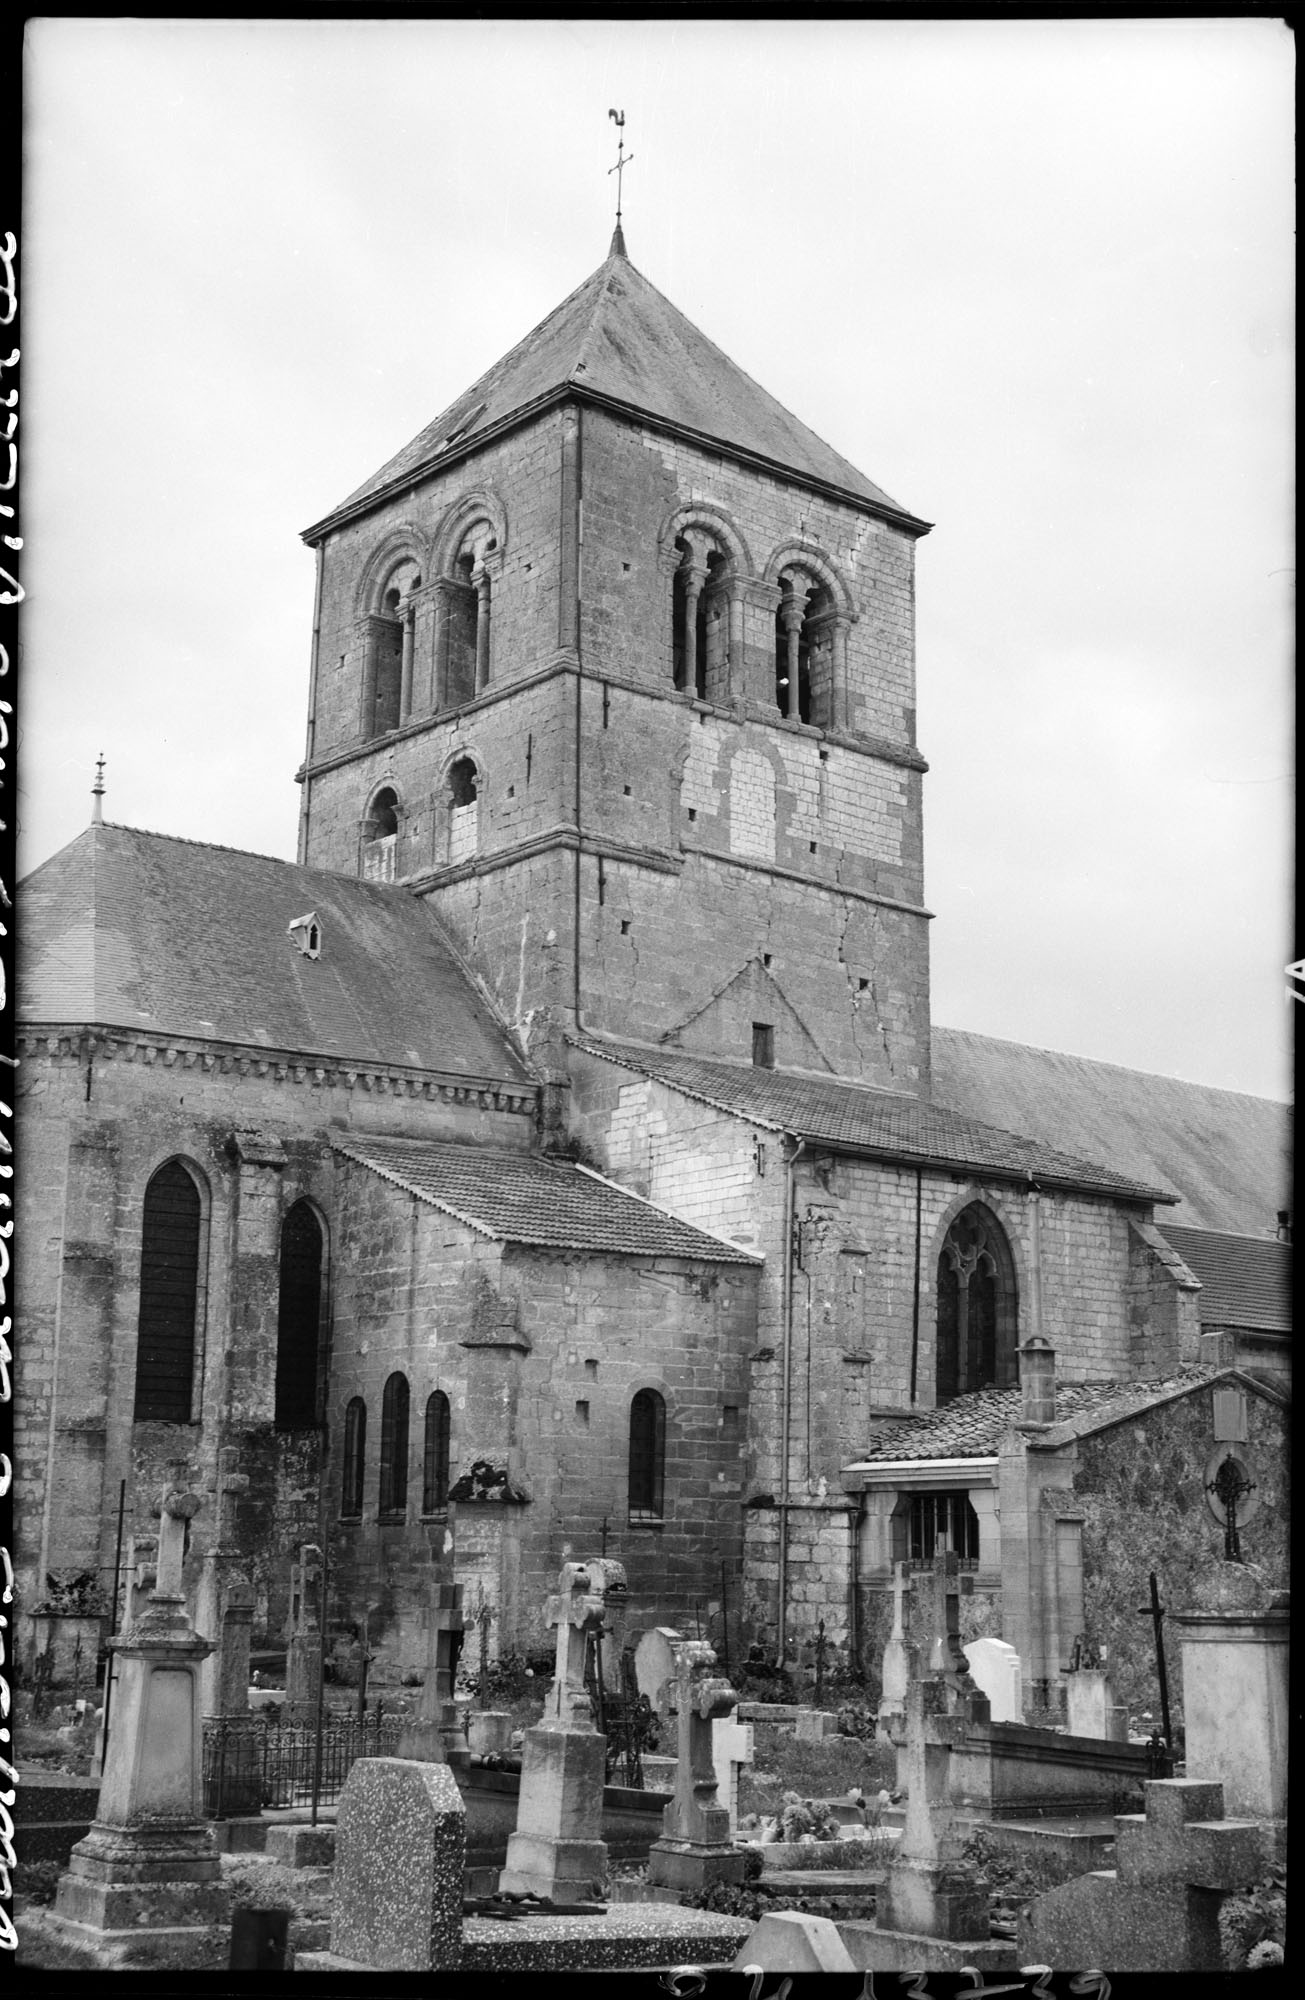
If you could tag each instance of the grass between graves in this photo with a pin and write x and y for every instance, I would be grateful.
(825, 1770)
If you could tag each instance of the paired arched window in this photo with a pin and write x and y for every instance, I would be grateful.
(388, 652)
(466, 630)
(171, 1235)
(298, 1319)
(380, 837)
(804, 649)
(700, 619)
(435, 1457)
(977, 1334)
(355, 1459)
(647, 1475)
(394, 1446)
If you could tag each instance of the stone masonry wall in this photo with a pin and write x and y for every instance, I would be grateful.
(94, 1130)
(540, 1355)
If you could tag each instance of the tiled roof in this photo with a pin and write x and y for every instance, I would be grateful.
(837, 1113)
(137, 930)
(1228, 1156)
(617, 337)
(1245, 1280)
(972, 1426)
(522, 1198)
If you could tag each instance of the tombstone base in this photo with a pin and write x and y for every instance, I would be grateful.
(875, 1950)
(693, 1864)
(569, 1871)
(141, 1948)
(931, 1901)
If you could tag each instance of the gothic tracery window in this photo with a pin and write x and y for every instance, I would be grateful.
(977, 1333)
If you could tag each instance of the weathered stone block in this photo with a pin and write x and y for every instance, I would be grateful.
(789, 1941)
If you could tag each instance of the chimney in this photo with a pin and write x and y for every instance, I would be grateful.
(1038, 1382)
(1284, 1225)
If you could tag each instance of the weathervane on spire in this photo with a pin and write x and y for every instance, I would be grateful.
(623, 158)
(97, 791)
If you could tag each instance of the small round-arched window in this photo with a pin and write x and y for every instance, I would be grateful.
(380, 837)
(463, 791)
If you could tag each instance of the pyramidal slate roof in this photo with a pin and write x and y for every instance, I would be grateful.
(837, 1113)
(618, 340)
(128, 929)
(1245, 1280)
(525, 1198)
(1226, 1154)
(972, 1426)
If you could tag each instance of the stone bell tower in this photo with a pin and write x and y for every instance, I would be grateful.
(614, 665)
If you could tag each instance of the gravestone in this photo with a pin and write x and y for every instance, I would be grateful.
(1157, 1910)
(995, 1668)
(695, 1849)
(898, 1662)
(557, 1849)
(732, 1746)
(145, 1883)
(400, 1858)
(1090, 1706)
(434, 1735)
(654, 1664)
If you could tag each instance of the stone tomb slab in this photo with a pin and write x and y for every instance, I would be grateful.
(646, 1937)
(400, 1851)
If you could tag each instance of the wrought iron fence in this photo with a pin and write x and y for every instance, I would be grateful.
(257, 1763)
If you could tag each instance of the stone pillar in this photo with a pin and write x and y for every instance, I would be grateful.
(694, 578)
(480, 579)
(224, 1590)
(557, 1849)
(367, 699)
(145, 1882)
(695, 1849)
(1037, 1377)
(840, 713)
(791, 613)
(434, 1736)
(405, 669)
(1235, 1687)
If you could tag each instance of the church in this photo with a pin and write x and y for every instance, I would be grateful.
(559, 1156)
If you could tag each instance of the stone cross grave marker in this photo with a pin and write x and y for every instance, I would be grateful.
(557, 1849)
(146, 1878)
(695, 1848)
(898, 1656)
(304, 1653)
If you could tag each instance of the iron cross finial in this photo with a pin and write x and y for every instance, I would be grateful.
(97, 791)
(623, 158)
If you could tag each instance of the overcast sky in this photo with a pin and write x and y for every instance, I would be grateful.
(1034, 279)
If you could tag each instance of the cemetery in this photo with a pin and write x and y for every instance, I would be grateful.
(648, 1812)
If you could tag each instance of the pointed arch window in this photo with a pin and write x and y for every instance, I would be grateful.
(394, 1447)
(171, 1233)
(298, 1320)
(435, 1458)
(647, 1476)
(355, 1454)
(977, 1329)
